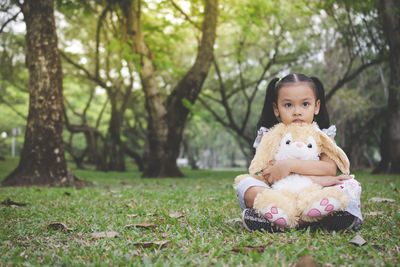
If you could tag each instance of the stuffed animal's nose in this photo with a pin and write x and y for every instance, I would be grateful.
(299, 145)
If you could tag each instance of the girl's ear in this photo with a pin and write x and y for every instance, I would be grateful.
(334, 152)
(317, 107)
(267, 148)
(276, 110)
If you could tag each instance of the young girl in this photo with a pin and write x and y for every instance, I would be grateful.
(297, 98)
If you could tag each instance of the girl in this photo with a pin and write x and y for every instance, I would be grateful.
(297, 98)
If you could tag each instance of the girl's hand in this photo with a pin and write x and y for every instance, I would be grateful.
(277, 171)
(330, 180)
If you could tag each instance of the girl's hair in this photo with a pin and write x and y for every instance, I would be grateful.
(268, 118)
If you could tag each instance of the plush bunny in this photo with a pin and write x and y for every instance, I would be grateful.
(296, 197)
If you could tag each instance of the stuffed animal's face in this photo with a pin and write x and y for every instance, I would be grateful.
(290, 148)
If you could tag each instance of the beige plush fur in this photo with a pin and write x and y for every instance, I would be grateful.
(295, 203)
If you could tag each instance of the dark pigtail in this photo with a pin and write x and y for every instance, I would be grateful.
(323, 117)
(268, 118)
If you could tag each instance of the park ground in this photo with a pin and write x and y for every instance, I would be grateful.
(124, 220)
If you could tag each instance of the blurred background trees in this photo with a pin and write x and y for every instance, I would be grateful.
(108, 119)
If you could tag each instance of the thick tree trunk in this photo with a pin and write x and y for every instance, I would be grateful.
(166, 122)
(42, 160)
(390, 137)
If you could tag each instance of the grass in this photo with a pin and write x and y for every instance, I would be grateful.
(202, 237)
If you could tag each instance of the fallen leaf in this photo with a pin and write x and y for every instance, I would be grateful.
(141, 225)
(380, 199)
(131, 204)
(23, 255)
(132, 215)
(161, 243)
(306, 261)
(177, 215)
(60, 226)
(109, 234)
(374, 213)
(248, 249)
(9, 202)
(358, 240)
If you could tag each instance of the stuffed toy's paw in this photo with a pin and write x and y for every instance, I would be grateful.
(323, 207)
(276, 216)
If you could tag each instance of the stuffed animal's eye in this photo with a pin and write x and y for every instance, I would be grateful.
(309, 146)
(288, 142)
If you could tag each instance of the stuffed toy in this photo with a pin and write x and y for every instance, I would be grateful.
(296, 197)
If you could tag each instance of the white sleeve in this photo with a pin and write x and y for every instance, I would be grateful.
(331, 131)
(260, 133)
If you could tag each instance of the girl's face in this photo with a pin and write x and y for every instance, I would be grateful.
(296, 103)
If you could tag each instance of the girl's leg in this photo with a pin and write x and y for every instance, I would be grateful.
(246, 191)
(251, 194)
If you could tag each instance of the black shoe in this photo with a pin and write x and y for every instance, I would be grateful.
(336, 222)
(252, 221)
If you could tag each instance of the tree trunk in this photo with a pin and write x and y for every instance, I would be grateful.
(166, 122)
(116, 150)
(390, 137)
(42, 160)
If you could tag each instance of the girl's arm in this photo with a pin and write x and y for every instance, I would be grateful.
(280, 169)
(330, 180)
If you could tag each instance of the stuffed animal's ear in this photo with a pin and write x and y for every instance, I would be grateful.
(267, 148)
(334, 152)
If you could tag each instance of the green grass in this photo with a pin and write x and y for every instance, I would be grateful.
(202, 237)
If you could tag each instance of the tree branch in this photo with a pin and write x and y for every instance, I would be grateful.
(13, 18)
(87, 73)
(185, 15)
(350, 77)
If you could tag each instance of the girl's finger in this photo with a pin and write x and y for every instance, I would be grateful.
(345, 177)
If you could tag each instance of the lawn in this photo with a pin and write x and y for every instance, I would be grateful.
(184, 222)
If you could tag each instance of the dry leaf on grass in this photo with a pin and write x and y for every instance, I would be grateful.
(177, 215)
(9, 202)
(248, 249)
(131, 204)
(110, 234)
(374, 213)
(381, 199)
(161, 243)
(141, 225)
(306, 261)
(358, 240)
(60, 226)
(132, 215)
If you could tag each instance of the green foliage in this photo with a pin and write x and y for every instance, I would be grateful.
(202, 237)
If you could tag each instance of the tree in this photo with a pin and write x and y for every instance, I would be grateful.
(42, 160)
(390, 137)
(104, 69)
(167, 118)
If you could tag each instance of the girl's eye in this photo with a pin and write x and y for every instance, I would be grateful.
(306, 104)
(288, 105)
(288, 142)
(309, 146)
